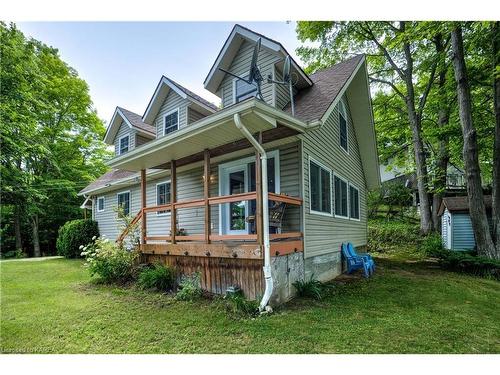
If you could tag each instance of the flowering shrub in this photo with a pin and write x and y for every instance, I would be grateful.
(108, 261)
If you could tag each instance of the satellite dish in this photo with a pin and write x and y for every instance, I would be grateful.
(287, 80)
(254, 76)
(286, 69)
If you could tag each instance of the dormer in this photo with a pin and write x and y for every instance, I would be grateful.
(174, 107)
(127, 131)
(235, 57)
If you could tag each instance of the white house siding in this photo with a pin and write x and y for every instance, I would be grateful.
(240, 66)
(324, 234)
(445, 229)
(140, 140)
(190, 186)
(123, 130)
(172, 102)
(194, 116)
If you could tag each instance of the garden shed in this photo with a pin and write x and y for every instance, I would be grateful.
(456, 226)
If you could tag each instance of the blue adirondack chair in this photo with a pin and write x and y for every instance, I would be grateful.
(367, 257)
(355, 262)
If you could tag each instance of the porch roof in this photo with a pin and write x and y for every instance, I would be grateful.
(210, 132)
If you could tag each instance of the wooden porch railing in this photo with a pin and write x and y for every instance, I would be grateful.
(214, 201)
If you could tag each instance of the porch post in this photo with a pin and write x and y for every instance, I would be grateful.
(173, 199)
(143, 205)
(258, 189)
(206, 194)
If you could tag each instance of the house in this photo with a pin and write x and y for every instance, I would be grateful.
(206, 166)
(456, 226)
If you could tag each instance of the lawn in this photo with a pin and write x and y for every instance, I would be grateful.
(408, 307)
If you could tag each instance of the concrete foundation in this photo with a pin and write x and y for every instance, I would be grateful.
(286, 270)
(323, 267)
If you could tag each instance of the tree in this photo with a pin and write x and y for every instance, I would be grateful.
(398, 54)
(477, 211)
(50, 138)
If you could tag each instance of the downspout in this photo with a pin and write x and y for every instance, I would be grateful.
(265, 211)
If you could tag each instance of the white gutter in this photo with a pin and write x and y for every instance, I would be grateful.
(265, 211)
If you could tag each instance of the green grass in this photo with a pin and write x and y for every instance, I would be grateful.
(408, 307)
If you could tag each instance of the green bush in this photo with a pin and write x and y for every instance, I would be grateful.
(13, 254)
(466, 262)
(310, 289)
(432, 246)
(73, 234)
(110, 262)
(384, 235)
(237, 304)
(189, 287)
(157, 276)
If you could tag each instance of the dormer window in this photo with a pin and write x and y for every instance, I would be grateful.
(171, 121)
(243, 90)
(123, 144)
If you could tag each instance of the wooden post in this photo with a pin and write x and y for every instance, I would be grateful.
(173, 199)
(143, 205)
(206, 194)
(258, 189)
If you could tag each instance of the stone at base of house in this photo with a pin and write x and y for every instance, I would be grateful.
(285, 271)
(323, 267)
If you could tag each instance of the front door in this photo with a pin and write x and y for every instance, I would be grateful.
(236, 182)
(239, 177)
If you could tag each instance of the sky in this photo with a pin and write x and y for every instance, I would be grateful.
(122, 62)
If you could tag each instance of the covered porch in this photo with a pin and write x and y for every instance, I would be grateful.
(233, 253)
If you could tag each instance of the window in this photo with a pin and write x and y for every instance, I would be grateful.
(320, 188)
(340, 197)
(243, 90)
(171, 122)
(343, 128)
(162, 195)
(353, 202)
(100, 204)
(124, 202)
(124, 141)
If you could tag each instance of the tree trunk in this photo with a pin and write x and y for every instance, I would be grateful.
(443, 156)
(17, 228)
(36, 239)
(477, 210)
(496, 147)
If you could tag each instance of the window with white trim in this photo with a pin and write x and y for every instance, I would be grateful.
(162, 195)
(353, 202)
(243, 90)
(100, 204)
(124, 144)
(171, 122)
(344, 140)
(123, 202)
(320, 188)
(340, 191)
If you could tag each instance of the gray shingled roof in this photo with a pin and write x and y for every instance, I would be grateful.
(107, 178)
(461, 204)
(311, 103)
(193, 95)
(136, 121)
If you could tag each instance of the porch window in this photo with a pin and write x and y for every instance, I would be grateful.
(341, 197)
(100, 204)
(243, 90)
(124, 202)
(353, 202)
(124, 144)
(162, 195)
(171, 122)
(320, 188)
(343, 128)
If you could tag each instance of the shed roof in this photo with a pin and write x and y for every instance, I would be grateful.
(460, 204)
